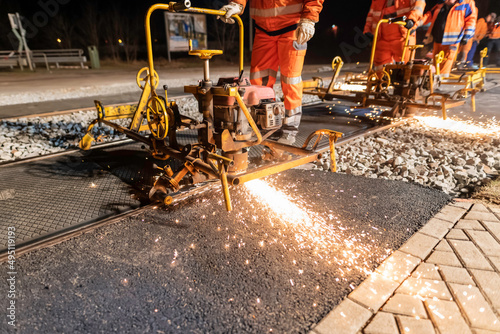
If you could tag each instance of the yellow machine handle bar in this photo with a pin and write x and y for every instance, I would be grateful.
(185, 6)
(397, 20)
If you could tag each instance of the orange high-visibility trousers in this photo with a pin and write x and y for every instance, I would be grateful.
(388, 52)
(450, 53)
(282, 52)
(463, 50)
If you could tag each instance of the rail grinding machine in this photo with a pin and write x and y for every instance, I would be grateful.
(404, 86)
(237, 116)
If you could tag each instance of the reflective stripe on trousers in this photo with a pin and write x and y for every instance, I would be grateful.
(282, 52)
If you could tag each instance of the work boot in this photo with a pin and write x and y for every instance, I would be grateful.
(287, 138)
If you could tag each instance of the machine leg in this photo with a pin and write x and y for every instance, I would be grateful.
(225, 189)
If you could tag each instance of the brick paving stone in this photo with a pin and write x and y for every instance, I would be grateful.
(447, 317)
(415, 326)
(450, 213)
(443, 246)
(486, 242)
(463, 205)
(457, 234)
(382, 323)
(444, 258)
(347, 318)
(405, 305)
(436, 228)
(470, 255)
(427, 270)
(456, 275)
(480, 207)
(479, 215)
(482, 331)
(425, 288)
(419, 245)
(489, 283)
(476, 308)
(496, 261)
(374, 291)
(494, 228)
(466, 224)
(398, 266)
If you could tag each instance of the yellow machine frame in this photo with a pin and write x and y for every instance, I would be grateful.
(378, 82)
(161, 118)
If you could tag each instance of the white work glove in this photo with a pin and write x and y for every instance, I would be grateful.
(231, 9)
(305, 31)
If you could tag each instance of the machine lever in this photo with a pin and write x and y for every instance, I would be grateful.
(398, 19)
(179, 6)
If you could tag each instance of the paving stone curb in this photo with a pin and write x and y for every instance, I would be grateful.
(444, 279)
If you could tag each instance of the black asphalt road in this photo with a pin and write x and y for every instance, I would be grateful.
(198, 269)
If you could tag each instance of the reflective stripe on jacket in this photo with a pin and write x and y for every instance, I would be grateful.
(460, 23)
(412, 9)
(274, 15)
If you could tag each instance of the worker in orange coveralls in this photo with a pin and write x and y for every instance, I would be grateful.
(391, 36)
(283, 29)
(493, 43)
(453, 22)
(481, 32)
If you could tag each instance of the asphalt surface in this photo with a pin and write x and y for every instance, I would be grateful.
(197, 269)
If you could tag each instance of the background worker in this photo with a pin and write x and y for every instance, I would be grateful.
(452, 22)
(481, 32)
(391, 36)
(493, 43)
(283, 28)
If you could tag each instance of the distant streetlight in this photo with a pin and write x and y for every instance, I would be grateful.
(59, 40)
(334, 30)
(120, 41)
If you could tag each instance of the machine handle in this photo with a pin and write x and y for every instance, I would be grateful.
(179, 6)
(397, 19)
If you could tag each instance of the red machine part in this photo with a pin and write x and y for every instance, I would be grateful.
(253, 94)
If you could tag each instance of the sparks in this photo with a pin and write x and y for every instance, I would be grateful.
(460, 126)
(310, 230)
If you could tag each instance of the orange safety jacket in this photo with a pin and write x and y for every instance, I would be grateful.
(460, 23)
(481, 30)
(412, 9)
(495, 32)
(275, 15)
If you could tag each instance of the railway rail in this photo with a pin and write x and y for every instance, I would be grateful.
(85, 227)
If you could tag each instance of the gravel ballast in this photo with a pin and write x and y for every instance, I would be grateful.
(451, 161)
(199, 269)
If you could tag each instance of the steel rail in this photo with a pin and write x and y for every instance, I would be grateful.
(75, 231)
(86, 109)
(9, 163)
(69, 233)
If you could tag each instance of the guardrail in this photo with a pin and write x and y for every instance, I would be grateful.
(58, 56)
(9, 59)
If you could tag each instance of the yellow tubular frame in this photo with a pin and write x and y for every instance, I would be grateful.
(375, 37)
(189, 10)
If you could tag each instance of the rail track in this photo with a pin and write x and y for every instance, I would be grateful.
(88, 226)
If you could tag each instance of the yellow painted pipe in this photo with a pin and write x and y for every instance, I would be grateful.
(249, 118)
(375, 37)
(225, 189)
(149, 43)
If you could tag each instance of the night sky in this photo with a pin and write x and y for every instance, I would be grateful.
(71, 17)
